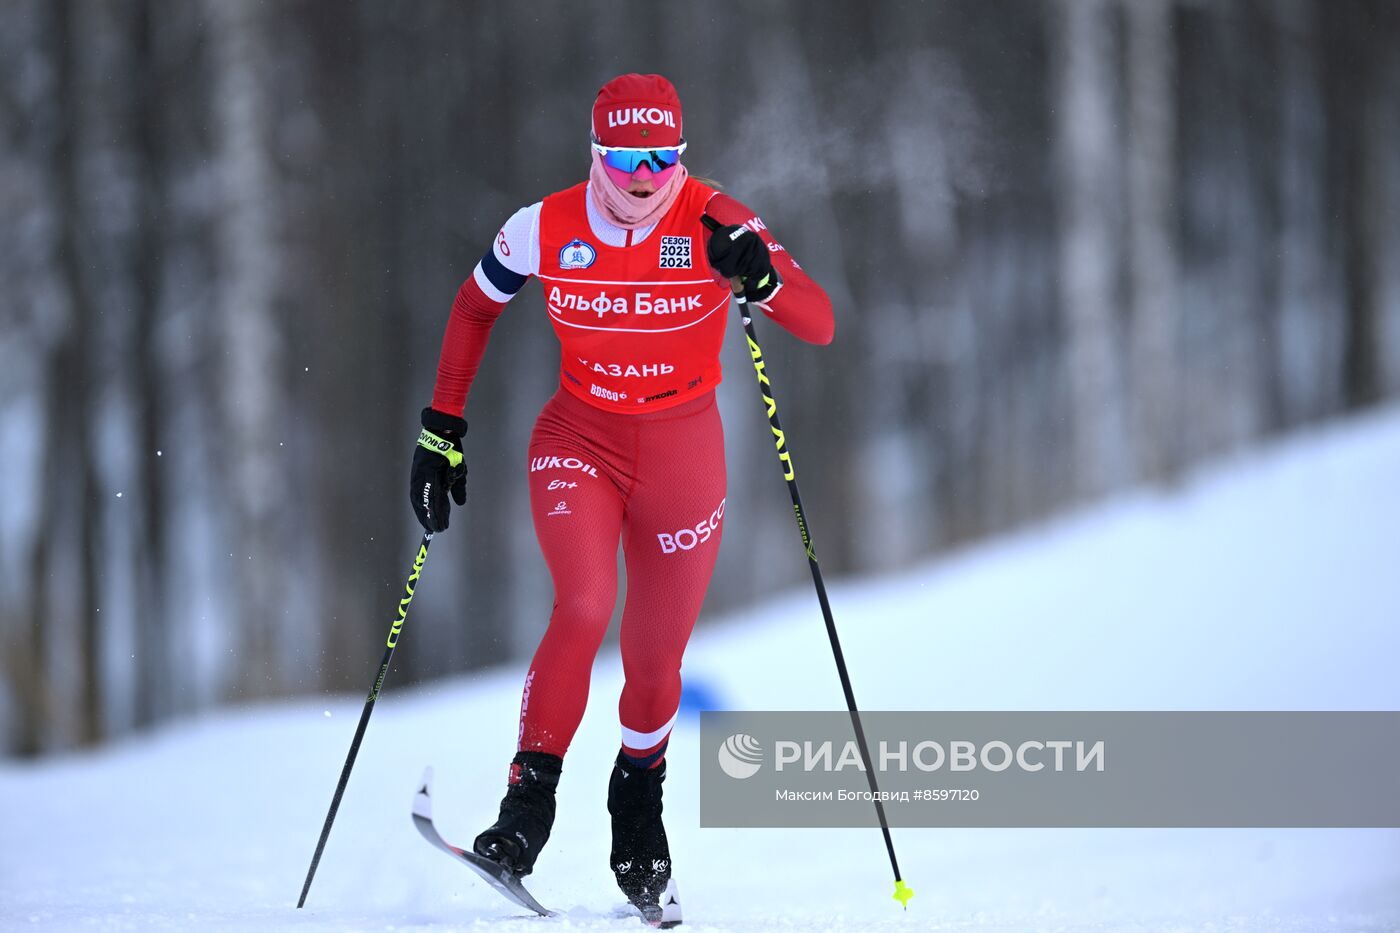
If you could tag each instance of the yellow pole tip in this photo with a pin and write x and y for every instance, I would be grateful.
(902, 893)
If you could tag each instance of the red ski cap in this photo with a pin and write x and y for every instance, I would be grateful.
(637, 112)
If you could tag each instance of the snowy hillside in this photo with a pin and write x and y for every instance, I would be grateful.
(1266, 583)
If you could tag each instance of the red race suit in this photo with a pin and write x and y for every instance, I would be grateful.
(630, 448)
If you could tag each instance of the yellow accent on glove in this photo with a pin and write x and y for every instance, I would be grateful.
(440, 445)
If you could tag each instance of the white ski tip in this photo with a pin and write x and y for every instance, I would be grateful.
(423, 800)
(670, 904)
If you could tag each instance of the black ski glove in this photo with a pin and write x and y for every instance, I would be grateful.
(738, 251)
(438, 468)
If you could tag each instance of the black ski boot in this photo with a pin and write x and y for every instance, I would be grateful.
(641, 859)
(527, 813)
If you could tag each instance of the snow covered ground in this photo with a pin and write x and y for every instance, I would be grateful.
(1266, 583)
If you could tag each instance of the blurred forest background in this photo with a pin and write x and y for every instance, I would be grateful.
(1073, 246)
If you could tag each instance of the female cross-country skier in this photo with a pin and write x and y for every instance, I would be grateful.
(630, 447)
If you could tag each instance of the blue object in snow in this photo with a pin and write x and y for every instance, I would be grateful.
(698, 694)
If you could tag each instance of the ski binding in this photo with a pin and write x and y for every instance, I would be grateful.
(497, 876)
(667, 913)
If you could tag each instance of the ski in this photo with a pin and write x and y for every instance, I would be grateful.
(667, 913)
(663, 915)
(497, 876)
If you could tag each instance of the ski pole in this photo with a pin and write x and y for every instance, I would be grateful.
(902, 891)
(394, 629)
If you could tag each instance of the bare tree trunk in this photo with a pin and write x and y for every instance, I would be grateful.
(787, 111)
(1088, 255)
(1354, 85)
(252, 386)
(1301, 231)
(70, 486)
(1152, 243)
(32, 681)
(155, 662)
(28, 328)
(1382, 141)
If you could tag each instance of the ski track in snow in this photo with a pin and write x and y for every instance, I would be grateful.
(1264, 583)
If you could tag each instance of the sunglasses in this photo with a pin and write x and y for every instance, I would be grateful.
(629, 160)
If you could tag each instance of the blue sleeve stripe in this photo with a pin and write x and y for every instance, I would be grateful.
(506, 281)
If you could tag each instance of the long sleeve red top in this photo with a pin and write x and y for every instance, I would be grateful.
(799, 305)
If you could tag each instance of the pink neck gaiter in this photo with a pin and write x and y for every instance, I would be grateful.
(627, 210)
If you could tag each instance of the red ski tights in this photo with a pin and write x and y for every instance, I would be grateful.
(656, 482)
